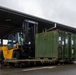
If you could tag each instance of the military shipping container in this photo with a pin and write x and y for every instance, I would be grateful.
(55, 44)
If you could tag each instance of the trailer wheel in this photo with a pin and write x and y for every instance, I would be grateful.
(16, 54)
(1, 58)
(0, 65)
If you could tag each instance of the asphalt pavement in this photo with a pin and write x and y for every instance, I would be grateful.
(69, 69)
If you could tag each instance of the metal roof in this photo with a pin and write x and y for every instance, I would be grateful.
(11, 21)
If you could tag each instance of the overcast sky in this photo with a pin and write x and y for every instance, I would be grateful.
(62, 11)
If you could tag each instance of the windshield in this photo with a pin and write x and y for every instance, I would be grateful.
(11, 41)
(15, 38)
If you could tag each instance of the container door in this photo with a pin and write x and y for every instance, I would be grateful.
(72, 47)
(66, 55)
(61, 45)
(75, 46)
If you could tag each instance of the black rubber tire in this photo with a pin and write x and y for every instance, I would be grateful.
(1, 55)
(1, 59)
(16, 54)
(0, 65)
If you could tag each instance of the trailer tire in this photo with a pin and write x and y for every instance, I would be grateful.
(16, 54)
(1, 59)
(0, 65)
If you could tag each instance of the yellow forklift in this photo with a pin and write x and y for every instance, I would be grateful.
(12, 49)
(21, 45)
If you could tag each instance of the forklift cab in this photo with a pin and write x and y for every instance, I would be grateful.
(15, 40)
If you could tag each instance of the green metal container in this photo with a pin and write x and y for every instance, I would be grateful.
(46, 45)
(74, 46)
(55, 44)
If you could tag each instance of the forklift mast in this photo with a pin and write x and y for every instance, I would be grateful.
(29, 29)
